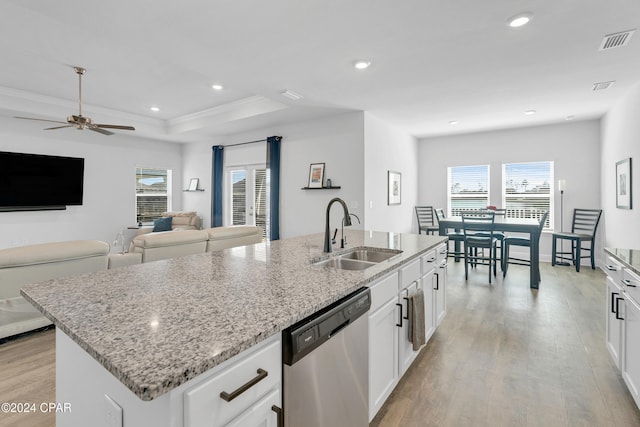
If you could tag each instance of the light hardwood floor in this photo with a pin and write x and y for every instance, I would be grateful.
(504, 355)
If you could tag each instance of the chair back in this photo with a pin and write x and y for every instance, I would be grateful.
(439, 214)
(425, 216)
(478, 227)
(585, 221)
(500, 212)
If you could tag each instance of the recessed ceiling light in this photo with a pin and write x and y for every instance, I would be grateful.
(217, 87)
(520, 19)
(291, 94)
(453, 122)
(154, 109)
(361, 65)
(530, 112)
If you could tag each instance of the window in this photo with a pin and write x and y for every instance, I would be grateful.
(526, 190)
(468, 188)
(249, 196)
(153, 193)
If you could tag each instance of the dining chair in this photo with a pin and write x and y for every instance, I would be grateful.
(453, 235)
(478, 229)
(519, 241)
(583, 229)
(426, 221)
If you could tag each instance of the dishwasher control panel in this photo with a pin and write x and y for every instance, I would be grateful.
(301, 338)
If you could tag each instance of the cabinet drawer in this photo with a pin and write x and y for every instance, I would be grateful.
(429, 261)
(203, 405)
(613, 269)
(410, 273)
(631, 284)
(383, 290)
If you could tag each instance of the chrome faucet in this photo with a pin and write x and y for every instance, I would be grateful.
(346, 220)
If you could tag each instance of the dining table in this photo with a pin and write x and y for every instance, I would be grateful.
(529, 226)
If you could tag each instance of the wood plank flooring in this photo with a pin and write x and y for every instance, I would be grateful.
(504, 355)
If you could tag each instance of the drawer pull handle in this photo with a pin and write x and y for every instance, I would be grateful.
(228, 397)
(628, 283)
(611, 268)
(278, 412)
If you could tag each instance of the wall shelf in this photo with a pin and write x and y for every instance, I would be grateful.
(335, 187)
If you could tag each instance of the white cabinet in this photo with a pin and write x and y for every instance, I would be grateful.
(237, 389)
(264, 413)
(390, 351)
(623, 323)
(614, 320)
(383, 354)
(440, 294)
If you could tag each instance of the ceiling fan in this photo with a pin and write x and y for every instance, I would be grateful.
(81, 122)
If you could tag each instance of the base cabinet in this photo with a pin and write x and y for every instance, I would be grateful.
(390, 351)
(264, 413)
(631, 348)
(614, 321)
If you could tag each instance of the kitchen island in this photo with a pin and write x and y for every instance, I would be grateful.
(154, 330)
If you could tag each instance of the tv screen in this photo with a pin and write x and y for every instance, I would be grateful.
(36, 181)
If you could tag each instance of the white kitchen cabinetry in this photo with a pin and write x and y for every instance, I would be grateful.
(623, 323)
(631, 334)
(440, 295)
(261, 414)
(390, 352)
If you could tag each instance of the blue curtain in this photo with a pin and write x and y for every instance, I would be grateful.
(216, 185)
(273, 164)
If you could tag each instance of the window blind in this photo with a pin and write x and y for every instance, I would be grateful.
(527, 190)
(152, 193)
(238, 197)
(468, 188)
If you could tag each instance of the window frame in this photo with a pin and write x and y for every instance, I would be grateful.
(550, 195)
(167, 193)
(470, 194)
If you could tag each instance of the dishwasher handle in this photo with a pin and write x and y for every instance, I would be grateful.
(340, 327)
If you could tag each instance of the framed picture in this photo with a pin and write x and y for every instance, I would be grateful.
(623, 184)
(193, 185)
(316, 175)
(394, 187)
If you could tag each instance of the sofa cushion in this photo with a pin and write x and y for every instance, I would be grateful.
(232, 232)
(162, 224)
(170, 238)
(52, 252)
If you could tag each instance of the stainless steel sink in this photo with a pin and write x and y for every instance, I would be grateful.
(359, 258)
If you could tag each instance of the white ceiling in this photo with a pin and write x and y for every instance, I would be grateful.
(432, 62)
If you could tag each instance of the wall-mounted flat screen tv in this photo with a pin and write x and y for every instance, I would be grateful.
(39, 182)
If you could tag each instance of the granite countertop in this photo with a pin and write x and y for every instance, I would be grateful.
(629, 257)
(155, 326)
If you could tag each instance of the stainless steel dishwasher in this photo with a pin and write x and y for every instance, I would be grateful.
(326, 366)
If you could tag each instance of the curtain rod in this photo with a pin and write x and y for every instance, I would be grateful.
(249, 142)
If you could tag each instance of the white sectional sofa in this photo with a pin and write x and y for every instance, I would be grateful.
(34, 263)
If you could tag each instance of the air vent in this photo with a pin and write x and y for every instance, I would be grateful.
(616, 40)
(603, 85)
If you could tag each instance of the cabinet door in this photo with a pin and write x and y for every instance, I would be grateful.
(406, 352)
(428, 285)
(440, 294)
(613, 322)
(383, 354)
(631, 347)
(261, 414)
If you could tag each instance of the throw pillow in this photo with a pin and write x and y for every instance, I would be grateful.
(162, 224)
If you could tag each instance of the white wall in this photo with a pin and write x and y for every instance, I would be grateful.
(109, 182)
(385, 149)
(337, 141)
(574, 147)
(620, 140)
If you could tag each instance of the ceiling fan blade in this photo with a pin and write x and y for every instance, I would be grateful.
(102, 131)
(60, 127)
(115, 127)
(39, 120)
